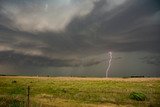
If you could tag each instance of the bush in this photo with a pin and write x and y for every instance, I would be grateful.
(137, 96)
(14, 81)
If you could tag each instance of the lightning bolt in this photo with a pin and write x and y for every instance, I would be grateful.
(109, 65)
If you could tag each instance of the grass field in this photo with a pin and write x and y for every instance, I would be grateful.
(78, 92)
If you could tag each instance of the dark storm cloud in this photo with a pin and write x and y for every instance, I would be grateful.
(35, 29)
(128, 29)
(11, 58)
(154, 60)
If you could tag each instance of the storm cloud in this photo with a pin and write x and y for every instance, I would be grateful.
(62, 32)
(154, 60)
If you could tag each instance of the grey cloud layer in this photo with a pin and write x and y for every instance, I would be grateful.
(49, 15)
(154, 60)
(12, 58)
(69, 30)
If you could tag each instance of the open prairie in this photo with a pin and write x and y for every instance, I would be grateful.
(77, 92)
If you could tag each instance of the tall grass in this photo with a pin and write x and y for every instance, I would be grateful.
(83, 91)
(9, 101)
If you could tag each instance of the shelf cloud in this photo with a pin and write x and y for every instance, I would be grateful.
(67, 30)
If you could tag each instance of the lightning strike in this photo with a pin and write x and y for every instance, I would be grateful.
(109, 63)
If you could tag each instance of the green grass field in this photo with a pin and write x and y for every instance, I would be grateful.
(78, 92)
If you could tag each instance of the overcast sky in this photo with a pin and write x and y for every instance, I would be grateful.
(73, 37)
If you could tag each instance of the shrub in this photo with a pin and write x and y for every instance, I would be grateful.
(137, 96)
(14, 81)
